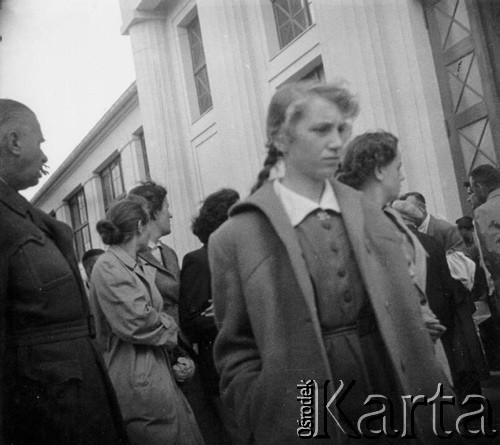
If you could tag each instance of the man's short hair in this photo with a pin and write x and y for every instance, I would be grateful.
(465, 222)
(12, 113)
(91, 253)
(486, 175)
(11, 110)
(418, 196)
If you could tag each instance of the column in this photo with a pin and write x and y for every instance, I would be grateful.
(233, 36)
(162, 110)
(383, 49)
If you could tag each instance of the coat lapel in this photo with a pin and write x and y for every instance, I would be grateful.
(266, 200)
(419, 253)
(150, 259)
(271, 205)
(352, 214)
(139, 267)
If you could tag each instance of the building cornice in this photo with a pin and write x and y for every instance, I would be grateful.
(137, 11)
(127, 101)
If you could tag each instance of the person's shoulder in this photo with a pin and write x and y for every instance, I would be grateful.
(490, 208)
(167, 249)
(431, 244)
(198, 253)
(195, 256)
(441, 223)
(492, 204)
(106, 260)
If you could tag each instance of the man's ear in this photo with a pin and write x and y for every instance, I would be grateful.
(379, 175)
(12, 145)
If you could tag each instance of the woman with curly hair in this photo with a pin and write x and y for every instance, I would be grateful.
(310, 287)
(372, 164)
(195, 302)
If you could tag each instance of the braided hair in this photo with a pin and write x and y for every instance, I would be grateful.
(287, 107)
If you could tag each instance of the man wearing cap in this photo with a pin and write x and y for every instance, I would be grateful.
(55, 389)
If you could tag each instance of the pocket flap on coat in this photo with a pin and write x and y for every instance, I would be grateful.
(55, 372)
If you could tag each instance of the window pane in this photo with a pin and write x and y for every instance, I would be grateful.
(200, 72)
(116, 174)
(286, 34)
(79, 244)
(203, 90)
(86, 237)
(296, 6)
(144, 151)
(107, 191)
(196, 44)
(82, 207)
(73, 210)
(292, 19)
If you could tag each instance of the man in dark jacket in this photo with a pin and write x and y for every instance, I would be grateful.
(55, 389)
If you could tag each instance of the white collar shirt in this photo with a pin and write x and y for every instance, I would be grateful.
(425, 224)
(297, 207)
(156, 250)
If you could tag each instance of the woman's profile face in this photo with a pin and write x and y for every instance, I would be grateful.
(314, 148)
(392, 176)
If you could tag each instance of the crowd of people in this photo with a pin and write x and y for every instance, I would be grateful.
(325, 273)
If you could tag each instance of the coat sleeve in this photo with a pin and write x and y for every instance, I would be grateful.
(127, 307)
(488, 229)
(194, 299)
(236, 353)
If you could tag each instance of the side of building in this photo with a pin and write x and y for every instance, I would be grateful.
(423, 69)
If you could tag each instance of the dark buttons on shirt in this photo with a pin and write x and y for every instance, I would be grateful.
(326, 225)
(333, 247)
(341, 272)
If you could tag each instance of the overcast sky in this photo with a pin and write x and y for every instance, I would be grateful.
(67, 61)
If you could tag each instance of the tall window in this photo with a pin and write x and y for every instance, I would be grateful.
(199, 66)
(112, 182)
(144, 151)
(80, 222)
(292, 19)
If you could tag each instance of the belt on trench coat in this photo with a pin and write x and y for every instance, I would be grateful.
(55, 332)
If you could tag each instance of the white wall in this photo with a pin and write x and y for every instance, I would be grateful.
(380, 48)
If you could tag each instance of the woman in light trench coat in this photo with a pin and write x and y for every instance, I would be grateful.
(311, 287)
(135, 333)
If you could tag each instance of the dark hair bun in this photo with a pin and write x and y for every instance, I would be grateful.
(110, 234)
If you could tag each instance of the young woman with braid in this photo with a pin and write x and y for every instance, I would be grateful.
(310, 287)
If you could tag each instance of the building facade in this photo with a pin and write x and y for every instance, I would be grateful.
(426, 70)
